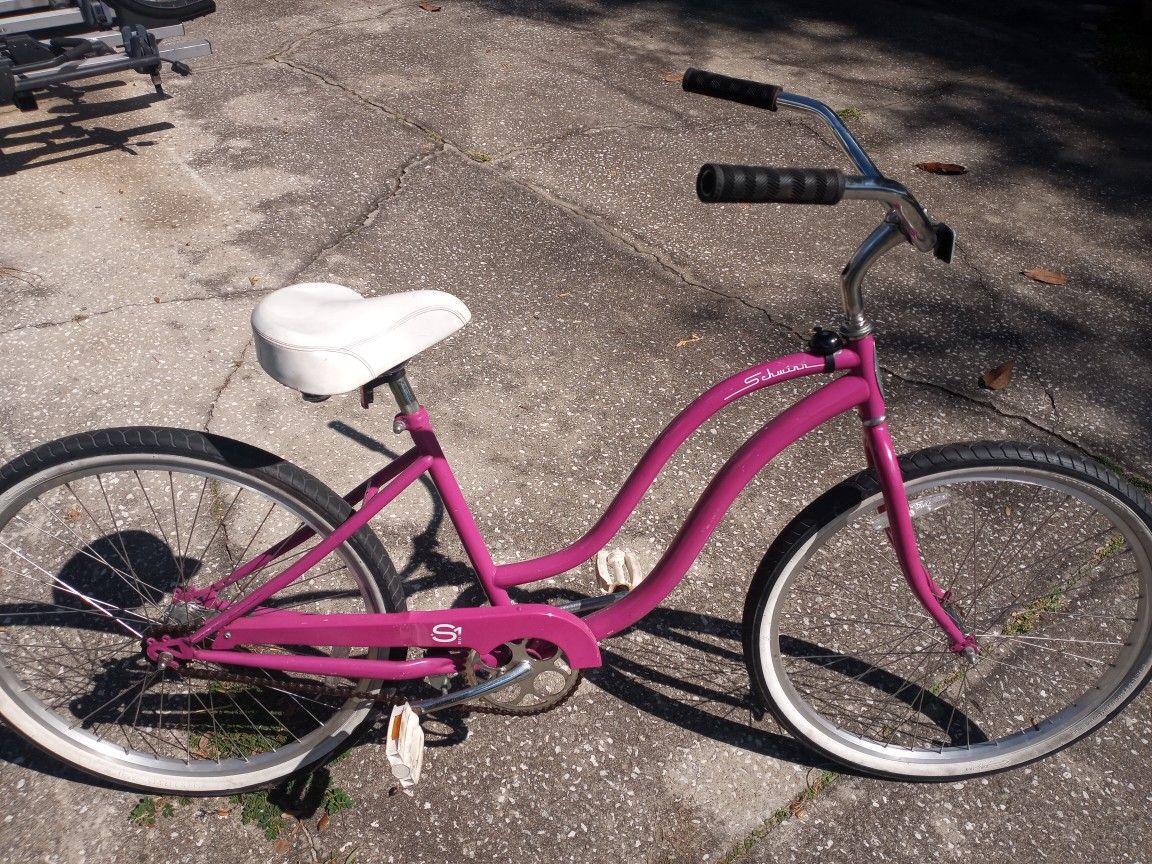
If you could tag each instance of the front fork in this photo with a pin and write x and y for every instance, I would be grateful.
(881, 456)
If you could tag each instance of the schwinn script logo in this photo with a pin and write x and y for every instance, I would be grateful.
(765, 375)
(447, 633)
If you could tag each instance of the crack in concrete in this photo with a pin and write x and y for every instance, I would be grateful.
(237, 362)
(988, 405)
(574, 132)
(1000, 314)
(292, 45)
(393, 188)
(653, 254)
(80, 318)
(366, 217)
(403, 119)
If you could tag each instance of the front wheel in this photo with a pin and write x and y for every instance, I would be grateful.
(102, 537)
(1047, 558)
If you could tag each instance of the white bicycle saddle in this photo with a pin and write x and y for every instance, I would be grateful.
(322, 339)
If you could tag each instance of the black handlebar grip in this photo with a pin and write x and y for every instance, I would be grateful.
(733, 89)
(753, 184)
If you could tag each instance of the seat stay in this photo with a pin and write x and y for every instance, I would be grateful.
(416, 464)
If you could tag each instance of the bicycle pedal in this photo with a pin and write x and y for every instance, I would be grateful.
(618, 570)
(405, 748)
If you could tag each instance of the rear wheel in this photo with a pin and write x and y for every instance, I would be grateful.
(1048, 561)
(96, 533)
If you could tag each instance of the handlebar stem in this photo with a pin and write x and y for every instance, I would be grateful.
(913, 218)
(886, 235)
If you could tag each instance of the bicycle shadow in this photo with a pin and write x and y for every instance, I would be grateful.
(94, 570)
(70, 133)
(684, 668)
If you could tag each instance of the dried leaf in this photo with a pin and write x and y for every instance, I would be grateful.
(1048, 277)
(429, 7)
(284, 844)
(695, 337)
(252, 280)
(223, 812)
(324, 822)
(941, 168)
(673, 77)
(1000, 377)
(155, 299)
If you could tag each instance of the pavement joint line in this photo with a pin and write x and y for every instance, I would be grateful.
(794, 809)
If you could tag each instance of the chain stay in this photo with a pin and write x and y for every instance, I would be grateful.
(388, 698)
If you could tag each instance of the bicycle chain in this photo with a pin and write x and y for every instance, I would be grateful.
(390, 699)
(383, 698)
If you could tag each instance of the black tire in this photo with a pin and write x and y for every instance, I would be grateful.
(146, 11)
(1048, 556)
(90, 550)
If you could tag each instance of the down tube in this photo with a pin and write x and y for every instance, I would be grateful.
(664, 448)
(815, 409)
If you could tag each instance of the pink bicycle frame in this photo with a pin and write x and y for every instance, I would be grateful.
(504, 621)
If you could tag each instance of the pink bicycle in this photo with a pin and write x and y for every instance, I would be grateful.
(186, 613)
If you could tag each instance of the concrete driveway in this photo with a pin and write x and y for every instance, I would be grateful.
(535, 159)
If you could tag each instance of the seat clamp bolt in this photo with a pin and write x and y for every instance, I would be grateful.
(398, 425)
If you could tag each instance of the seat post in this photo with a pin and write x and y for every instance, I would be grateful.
(397, 380)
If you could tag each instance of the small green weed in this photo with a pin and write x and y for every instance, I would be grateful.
(850, 114)
(148, 810)
(144, 813)
(1025, 620)
(1115, 544)
(335, 800)
(1137, 481)
(794, 810)
(257, 810)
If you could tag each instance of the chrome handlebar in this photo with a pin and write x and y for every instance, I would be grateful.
(905, 218)
(914, 220)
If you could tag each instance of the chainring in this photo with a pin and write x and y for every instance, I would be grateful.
(549, 681)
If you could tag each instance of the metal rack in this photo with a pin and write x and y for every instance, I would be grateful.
(32, 57)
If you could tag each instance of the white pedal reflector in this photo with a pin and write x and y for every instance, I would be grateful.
(405, 750)
(618, 570)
